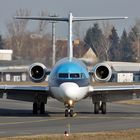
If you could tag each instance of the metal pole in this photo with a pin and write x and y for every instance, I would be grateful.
(138, 48)
(53, 43)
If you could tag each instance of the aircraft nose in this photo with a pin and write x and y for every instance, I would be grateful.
(69, 90)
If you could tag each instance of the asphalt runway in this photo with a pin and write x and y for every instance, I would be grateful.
(16, 118)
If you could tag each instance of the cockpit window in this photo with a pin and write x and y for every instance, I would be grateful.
(74, 75)
(71, 75)
(63, 75)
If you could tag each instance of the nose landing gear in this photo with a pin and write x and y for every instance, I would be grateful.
(69, 109)
(68, 112)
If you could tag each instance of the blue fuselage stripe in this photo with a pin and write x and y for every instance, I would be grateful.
(69, 67)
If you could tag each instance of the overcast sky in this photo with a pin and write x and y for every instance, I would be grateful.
(130, 8)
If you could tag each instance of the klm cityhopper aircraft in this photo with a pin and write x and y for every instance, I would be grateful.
(69, 80)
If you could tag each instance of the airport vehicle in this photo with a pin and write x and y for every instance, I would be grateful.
(69, 80)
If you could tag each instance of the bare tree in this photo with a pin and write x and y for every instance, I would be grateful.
(106, 28)
(42, 24)
(17, 30)
(76, 30)
(28, 44)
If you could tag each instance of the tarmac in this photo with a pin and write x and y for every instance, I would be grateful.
(16, 118)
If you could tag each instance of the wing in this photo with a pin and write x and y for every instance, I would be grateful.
(115, 92)
(23, 92)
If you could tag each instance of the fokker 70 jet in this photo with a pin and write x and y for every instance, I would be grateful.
(69, 80)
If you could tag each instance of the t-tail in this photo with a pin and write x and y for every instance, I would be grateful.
(70, 19)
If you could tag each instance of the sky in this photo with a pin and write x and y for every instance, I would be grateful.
(130, 8)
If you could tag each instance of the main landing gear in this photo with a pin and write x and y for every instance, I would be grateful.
(39, 104)
(69, 109)
(100, 106)
(38, 107)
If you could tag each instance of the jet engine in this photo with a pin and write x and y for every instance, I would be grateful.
(37, 72)
(102, 72)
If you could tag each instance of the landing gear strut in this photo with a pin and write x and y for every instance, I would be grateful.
(100, 106)
(103, 108)
(69, 110)
(38, 107)
(39, 104)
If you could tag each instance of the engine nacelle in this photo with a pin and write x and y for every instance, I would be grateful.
(102, 72)
(37, 72)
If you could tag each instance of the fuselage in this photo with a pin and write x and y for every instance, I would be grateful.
(69, 80)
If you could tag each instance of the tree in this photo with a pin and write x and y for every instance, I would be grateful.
(126, 49)
(42, 24)
(1, 43)
(27, 44)
(106, 28)
(17, 32)
(134, 41)
(94, 39)
(133, 34)
(76, 30)
(114, 53)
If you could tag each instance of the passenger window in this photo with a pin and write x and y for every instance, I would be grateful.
(74, 75)
(63, 75)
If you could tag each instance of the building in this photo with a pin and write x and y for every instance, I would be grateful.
(14, 74)
(125, 71)
(6, 55)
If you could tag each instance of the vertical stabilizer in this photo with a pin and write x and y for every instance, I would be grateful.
(70, 45)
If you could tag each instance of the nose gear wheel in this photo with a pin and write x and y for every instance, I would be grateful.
(68, 110)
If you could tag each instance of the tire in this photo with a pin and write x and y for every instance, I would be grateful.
(96, 108)
(35, 109)
(66, 113)
(103, 108)
(71, 113)
(42, 108)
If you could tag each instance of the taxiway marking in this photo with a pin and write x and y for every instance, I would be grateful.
(63, 118)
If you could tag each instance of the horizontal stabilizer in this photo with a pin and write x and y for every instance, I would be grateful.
(42, 18)
(97, 18)
(67, 18)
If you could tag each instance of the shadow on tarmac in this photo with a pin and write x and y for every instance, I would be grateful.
(28, 113)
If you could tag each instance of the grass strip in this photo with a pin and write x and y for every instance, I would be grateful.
(111, 135)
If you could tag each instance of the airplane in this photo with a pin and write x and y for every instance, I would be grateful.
(69, 79)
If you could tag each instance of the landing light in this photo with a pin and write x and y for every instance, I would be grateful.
(70, 102)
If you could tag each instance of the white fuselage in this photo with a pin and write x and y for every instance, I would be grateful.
(69, 91)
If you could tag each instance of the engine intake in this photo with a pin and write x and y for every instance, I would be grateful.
(37, 72)
(102, 72)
